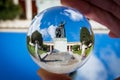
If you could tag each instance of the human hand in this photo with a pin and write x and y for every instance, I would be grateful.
(45, 75)
(106, 12)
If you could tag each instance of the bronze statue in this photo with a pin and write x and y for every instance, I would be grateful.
(60, 31)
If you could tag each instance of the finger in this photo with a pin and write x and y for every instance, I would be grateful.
(78, 4)
(117, 2)
(45, 75)
(107, 5)
(118, 78)
(95, 13)
(112, 35)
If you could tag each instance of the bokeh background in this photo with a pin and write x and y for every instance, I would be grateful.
(15, 61)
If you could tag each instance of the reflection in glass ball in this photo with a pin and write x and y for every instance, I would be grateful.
(60, 39)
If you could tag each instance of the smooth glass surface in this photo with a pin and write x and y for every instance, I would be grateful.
(60, 39)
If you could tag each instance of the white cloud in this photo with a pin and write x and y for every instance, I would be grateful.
(112, 60)
(48, 31)
(93, 69)
(51, 31)
(44, 32)
(75, 16)
(35, 24)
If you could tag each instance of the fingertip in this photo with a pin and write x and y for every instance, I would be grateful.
(63, 2)
(45, 75)
(41, 73)
(112, 35)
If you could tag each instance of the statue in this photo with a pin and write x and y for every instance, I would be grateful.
(60, 31)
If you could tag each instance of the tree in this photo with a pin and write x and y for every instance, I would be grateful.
(8, 10)
(37, 36)
(85, 36)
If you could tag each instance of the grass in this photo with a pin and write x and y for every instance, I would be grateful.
(77, 52)
(88, 50)
(32, 50)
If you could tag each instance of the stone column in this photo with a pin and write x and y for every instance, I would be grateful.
(36, 51)
(28, 4)
(50, 48)
(15, 2)
(69, 47)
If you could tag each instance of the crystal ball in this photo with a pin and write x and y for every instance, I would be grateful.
(60, 39)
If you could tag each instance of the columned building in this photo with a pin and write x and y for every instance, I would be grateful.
(69, 45)
(32, 7)
(29, 8)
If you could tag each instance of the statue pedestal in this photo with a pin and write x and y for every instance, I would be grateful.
(60, 44)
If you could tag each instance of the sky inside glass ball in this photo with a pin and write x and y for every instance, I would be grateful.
(48, 20)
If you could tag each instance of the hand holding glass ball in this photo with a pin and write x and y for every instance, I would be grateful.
(60, 40)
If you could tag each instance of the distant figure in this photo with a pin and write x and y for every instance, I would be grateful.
(83, 52)
(60, 31)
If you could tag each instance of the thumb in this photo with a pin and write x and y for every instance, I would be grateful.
(112, 35)
(45, 75)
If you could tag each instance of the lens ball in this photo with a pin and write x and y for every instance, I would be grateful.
(60, 39)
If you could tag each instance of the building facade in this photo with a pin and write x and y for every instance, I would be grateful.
(32, 7)
(69, 45)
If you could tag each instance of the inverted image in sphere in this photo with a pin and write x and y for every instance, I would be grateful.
(60, 39)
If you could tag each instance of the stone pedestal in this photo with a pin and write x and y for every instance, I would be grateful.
(60, 44)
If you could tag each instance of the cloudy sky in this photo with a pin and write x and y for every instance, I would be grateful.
(47, 21)
(104, 63)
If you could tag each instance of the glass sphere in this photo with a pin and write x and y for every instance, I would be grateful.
(60, 39)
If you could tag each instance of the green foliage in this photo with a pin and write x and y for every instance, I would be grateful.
(45, 48)
(85, 36)
(78, 52)
(8, 10)
(76, 47)
(32, 50)
(37, 36)
(41, 52)
(88, 50)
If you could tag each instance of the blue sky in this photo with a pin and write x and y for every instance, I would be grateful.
(47, 21)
